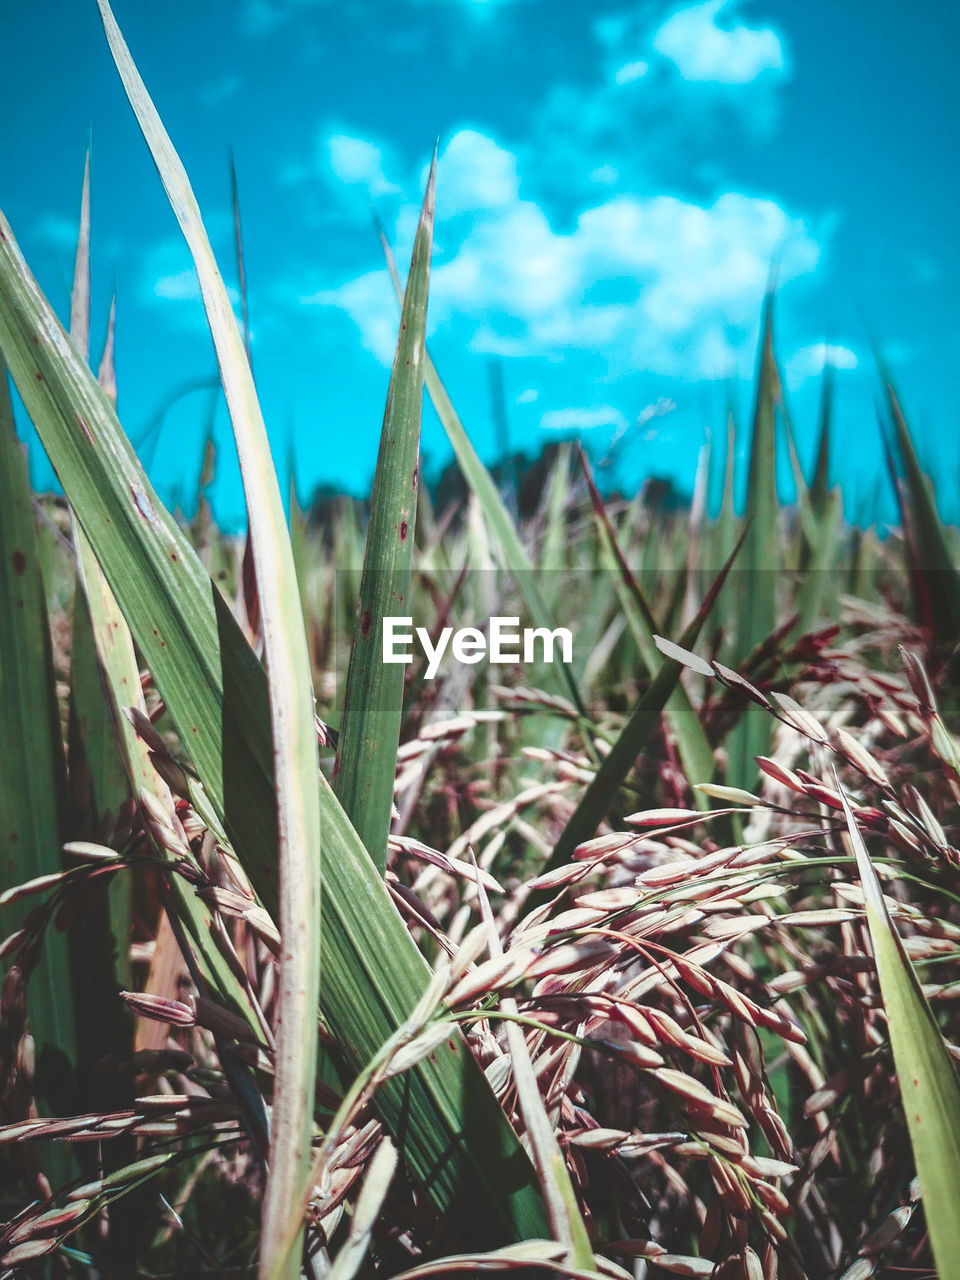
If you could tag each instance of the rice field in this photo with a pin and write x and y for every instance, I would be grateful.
(637, 958)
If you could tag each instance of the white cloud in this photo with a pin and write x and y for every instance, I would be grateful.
(810, 362)
(512, 262)
(669, 91)
(656, 410)
(179, 287)
(357, 162)
(528, 396)
(631, 71)
(703, 50)
(653, 283)
(57, 231)
(370, 302)
(183, 286)
(604, 415)
(606, 175)
(167, 274)
(477, 174)
(168, 279)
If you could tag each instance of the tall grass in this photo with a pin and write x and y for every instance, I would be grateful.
(639, 964)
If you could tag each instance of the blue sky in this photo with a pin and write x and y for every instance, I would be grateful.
(615, 181)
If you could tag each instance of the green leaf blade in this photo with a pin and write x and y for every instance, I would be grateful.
(928, 1081)
(761, 558)
(373, 700)
(937, 581)
(32, 771)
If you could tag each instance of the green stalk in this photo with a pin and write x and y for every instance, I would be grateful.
(761, 558)
(99, 630)
(370, 727)
(925, 1071)
(937, 581)
(32, 773)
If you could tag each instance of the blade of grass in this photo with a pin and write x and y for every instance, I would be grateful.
(553, 547)
(295, 758)
(934, 562)
(376, 1184)
(727, 516)
(99, 733)
(827, 503)
(919, 584)
(761, 560)
(201, 526)
(100, 749)
(32, 771)
(925, 1072)
(100, 935)
(300, 545)
(724, 530)
(820, 480)
(370, 727)
(820, 525)
(80, 293)
(98, 626)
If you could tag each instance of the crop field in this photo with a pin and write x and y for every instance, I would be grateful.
(637, 956)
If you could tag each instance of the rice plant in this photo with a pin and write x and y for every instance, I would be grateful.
(635, 960)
